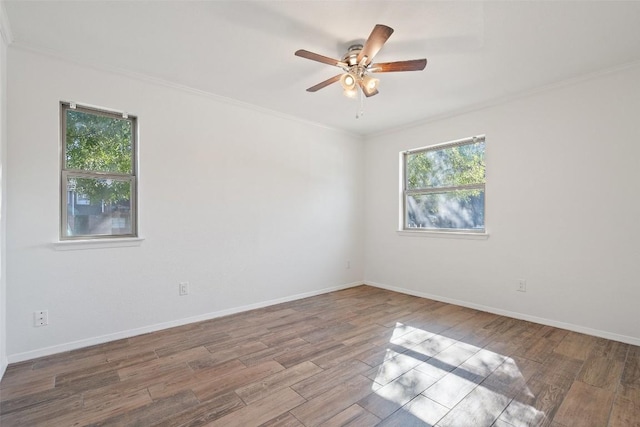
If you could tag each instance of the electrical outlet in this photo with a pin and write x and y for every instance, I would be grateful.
(348, 264)
(522, 285)
(183, 288)
(41, 318)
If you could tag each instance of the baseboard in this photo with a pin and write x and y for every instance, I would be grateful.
(74, 345)
(3, 366)
(513, 314)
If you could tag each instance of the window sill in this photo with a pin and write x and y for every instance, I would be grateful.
(74, 245)
(444, 234)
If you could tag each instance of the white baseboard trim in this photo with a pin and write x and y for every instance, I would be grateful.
(513, 314)
(74, 345)
(3, 366)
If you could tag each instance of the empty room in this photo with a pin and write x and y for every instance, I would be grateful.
(319, 213)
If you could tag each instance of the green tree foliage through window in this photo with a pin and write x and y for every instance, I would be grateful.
(444, 187)
(100, 144)
(450, 167)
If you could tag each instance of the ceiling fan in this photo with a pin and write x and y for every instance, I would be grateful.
(357, 65)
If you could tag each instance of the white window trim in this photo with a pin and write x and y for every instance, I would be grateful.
(74, 245)
(445, 234)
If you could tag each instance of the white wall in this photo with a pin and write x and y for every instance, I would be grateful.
(4, 31)
(562, 210)
(248, 206)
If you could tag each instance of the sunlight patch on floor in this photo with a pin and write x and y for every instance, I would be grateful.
(520, 414)
(408, 335)
(394, 365)
(405, 387)
(437, 373)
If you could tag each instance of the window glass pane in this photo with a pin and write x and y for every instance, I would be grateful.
(461, 209)
(98, 207)
(98, 143)
(447, 167)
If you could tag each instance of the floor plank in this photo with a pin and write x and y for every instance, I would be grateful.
(353, 416)
(329, 378)
(537, 404)
(152, 413)
(217, 385)
(574, 411)
(282, 379)
(261, 411)
(204, 412)
(284, 420)
(387, 399)
(625, 412)
(318, 410)
(480, 408)
(420, 412)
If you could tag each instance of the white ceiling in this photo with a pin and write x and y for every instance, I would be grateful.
(477, 52)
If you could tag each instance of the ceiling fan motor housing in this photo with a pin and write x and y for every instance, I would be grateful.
(351, 57)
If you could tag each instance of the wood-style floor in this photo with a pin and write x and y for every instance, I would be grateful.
(358, 357)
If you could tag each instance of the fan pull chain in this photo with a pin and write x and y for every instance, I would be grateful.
(360, 111)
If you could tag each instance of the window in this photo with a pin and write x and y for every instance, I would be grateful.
(98, 179)
(443, 187)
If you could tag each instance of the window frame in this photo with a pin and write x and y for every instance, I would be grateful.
(65, 174)
(405, 192)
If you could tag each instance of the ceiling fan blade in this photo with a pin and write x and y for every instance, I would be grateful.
(389, 67)
(374, 43)
(367, 92)
(315, 57)
(324, 83)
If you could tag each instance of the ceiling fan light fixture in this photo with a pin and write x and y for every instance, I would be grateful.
(348, 81)
(370, 83)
